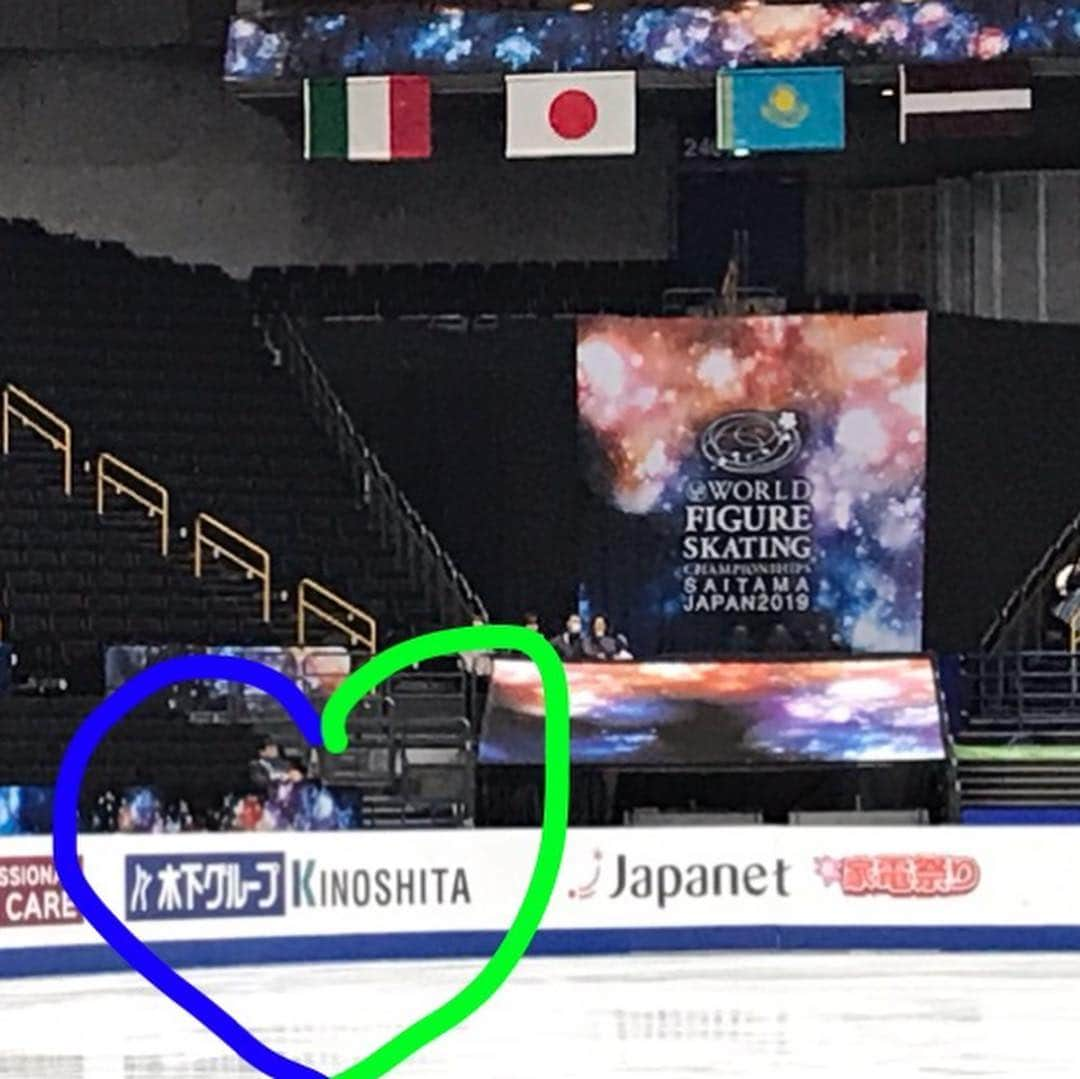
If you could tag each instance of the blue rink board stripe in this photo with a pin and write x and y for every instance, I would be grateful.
(97, 958)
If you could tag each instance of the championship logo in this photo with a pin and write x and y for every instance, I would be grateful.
(752, 443)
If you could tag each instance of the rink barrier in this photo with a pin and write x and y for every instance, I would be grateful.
(251, 898)
(188, 955)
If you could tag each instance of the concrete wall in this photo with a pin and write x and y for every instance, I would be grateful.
(150, 149)
(1004, 245)
(76, 24)
(870, 240)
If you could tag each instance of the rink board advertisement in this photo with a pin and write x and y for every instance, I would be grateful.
(220, 899)
(754, 476)
(730, 712)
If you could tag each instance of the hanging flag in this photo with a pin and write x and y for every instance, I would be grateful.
(965, 100)
(799, 108)
(367, 119)
(591, 113)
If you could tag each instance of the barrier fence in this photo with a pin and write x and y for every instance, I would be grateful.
(264, 897)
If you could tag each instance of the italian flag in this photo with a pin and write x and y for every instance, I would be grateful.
(367, 119)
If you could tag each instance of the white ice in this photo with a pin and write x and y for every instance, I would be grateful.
(641, 1016)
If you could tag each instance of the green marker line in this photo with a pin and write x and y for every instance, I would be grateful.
(552, 830)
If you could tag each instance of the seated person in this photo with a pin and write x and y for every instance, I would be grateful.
(603, 643)
(570, 644)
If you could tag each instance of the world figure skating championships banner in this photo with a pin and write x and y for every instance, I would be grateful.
(755, 479)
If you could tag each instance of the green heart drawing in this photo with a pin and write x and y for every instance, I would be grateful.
(552, 831)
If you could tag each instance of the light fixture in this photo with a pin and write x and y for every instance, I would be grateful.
(581, 5)
(741, 151)
(888, 91)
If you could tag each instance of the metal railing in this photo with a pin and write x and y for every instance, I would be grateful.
(258, 570)
(1021, 623)
(209, 532)
(1022, 686)
(13, 397)
(366, 633)
(399, 525)
(158, 508)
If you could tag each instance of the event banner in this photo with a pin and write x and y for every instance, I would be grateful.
(755, 482)
(726, 713)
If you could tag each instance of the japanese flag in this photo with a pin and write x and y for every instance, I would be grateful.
(589, 113)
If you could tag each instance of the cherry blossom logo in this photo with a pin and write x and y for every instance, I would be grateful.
(901, 875)
(752, 443)
(588, 890)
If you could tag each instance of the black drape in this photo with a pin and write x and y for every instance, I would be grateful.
(1004, 440)
(480, 430)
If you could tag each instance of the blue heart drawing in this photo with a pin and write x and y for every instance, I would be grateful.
(66, 826)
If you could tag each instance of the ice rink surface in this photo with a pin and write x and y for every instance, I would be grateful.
(681, 1016)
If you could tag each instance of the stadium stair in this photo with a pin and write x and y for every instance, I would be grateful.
(1019, 742)
(1019, 782)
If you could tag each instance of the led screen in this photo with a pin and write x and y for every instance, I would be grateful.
(738, 712)
(316, 671)
(384, 40)
(25, 810)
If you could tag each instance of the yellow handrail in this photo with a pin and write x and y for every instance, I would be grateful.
(365, 636)
(156, 509)
(259, 571)
(60, 442)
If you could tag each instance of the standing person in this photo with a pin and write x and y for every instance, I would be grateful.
(478, 663)
(604, 643)
(268, 768)
(570, 644)
(8, 659)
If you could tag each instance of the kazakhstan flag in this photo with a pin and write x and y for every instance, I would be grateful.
(795, 108)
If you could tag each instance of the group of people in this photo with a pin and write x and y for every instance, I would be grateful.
(600, 644)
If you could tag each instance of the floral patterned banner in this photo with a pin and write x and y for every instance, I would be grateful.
(758, 475)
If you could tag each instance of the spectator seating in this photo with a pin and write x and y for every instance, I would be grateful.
(530, 289)
(195, 764)
(161, 366)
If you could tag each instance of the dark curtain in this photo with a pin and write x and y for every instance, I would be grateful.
(1003, 440)
(480, 430)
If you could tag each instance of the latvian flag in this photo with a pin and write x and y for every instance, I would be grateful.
(586, 114)
(367, 119)
(985, 100)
